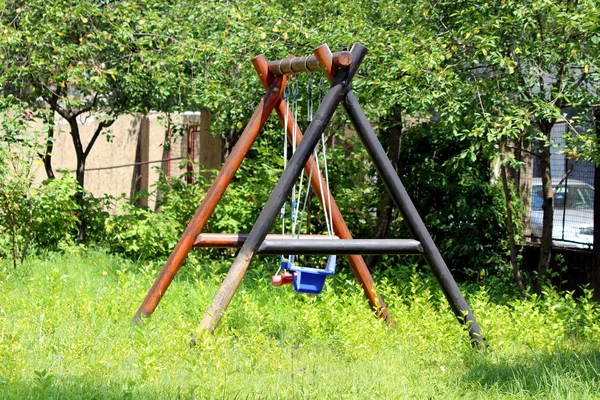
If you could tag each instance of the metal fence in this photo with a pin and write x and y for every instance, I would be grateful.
(573, 182)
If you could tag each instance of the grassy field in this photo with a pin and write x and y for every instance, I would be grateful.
(65, 333)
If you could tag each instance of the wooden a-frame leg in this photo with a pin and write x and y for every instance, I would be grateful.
(413, 220)
(357, 263)
(405, 205)
(211, 199)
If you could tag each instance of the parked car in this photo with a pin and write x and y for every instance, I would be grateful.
(573, 213)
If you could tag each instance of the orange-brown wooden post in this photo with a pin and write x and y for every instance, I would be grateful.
(237, 240)
(357, 263)
(212, 198)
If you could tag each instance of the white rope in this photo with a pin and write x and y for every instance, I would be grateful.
(298, 198)
(294, 138)
(297, 215)
(305, 203)
(295, 111)
(323, 202)
(309, 108)
(325, 206)
(285, 151)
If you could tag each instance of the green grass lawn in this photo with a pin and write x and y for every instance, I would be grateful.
(65, 333)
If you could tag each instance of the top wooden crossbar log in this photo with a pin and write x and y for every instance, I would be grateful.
(293, 65)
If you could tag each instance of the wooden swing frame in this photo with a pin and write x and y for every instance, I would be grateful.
(339, 69)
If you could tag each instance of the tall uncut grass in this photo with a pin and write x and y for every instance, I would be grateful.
(65, 332)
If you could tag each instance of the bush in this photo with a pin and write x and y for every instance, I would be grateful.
(140, 233)
(18, 150)
(55, 212)
(461, 207)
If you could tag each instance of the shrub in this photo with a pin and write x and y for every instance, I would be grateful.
(461, 207)
(140, 233)
(18, 150)
(54, 212)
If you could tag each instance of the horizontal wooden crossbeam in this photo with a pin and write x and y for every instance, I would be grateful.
(294, 65)
(313, 244)
(237, 240)
(341, 246)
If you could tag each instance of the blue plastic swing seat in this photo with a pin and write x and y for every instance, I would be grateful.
(309, 280)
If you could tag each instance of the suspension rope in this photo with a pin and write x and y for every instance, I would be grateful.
(309, 108)
(321, 88)
(294, 138)
(305, 203)
(328, 204)
(286, 92)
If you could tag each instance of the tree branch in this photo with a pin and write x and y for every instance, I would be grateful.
(55, 106)
(564, 177)
(522, 150)
(101, 125)
(87, 108)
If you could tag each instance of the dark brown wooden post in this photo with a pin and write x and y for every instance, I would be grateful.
(168, 153)
(407, 209)
(357, 263)
(191, 138)
(144, 168)
(209, 155)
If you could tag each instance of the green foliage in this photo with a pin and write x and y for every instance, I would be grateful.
(252, 186)
(51, 217)
(492, 74)
(463, 210)
(18, 150)
(34, 215)
(66, 334)
(55, 212)
(78, 51)
(141, 233)
(69, 59)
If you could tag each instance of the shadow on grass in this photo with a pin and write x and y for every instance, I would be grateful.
(565, 374)
(47, 386)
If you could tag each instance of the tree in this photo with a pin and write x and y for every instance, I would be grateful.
(72, 59)
(512, 69)
(403, 79)
(596, 266)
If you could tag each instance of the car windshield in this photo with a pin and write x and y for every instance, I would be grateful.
(575, 197)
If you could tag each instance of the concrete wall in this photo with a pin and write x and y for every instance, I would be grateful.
(126, 160)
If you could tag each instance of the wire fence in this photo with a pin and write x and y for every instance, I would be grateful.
(573, 182)
(134, 164)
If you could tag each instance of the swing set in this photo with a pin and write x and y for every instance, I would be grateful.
(339, 69)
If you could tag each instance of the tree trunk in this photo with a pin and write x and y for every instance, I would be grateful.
(229, 139)
(511, 229)
(79, 198)
(47, 156)
(596, 258)
(392, 126)
(524, 178)
(548, 215)
(79, 175)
